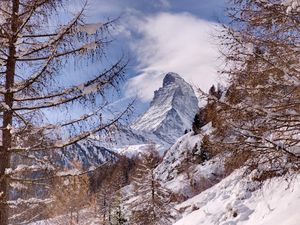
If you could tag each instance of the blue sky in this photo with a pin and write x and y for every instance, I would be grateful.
(161, 36)
(205, 9)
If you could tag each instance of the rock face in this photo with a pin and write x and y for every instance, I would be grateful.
(171, 111)
(87, 153)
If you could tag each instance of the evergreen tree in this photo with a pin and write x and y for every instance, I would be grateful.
(109, 199)
(197, 123)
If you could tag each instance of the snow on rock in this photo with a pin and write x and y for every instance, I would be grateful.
(175, 156)
(237, 200)
(171, 111)
(180, 174)
(122, 137)
(135, 150)
(197, 178)
(89, 153)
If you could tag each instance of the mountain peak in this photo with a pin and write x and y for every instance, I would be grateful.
(171, 78)
(171, 111)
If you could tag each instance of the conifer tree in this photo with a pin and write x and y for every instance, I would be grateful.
(69, 195)
(153, 204)
(109, 199)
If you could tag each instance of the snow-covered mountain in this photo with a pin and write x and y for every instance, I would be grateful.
(171, 111)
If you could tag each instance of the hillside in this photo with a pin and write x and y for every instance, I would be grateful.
(237, 200)
(223, 200)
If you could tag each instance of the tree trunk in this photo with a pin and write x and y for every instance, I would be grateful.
(77, 216)
(152, 188)
(71, 220)
(5, 155)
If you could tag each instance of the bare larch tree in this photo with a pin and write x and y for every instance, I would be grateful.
(153, 202)
(38, 40)
(259, 117)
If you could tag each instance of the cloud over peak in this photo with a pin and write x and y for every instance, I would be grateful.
(176, 42)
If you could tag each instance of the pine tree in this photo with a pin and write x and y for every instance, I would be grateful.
(36, 45)
(105, 203)
(108, 196)
(208, 113)
(197, 123)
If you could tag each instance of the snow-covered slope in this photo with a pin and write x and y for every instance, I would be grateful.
(183, 171)
(237, 200)
(181, 151)
(171, 111)
(121, 137)
(233, 200)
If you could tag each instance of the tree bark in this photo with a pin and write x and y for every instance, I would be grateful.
(5, 155)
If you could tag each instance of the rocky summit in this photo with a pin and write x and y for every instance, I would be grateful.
(171, 111)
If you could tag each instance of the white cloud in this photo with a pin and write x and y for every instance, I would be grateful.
(180, 43)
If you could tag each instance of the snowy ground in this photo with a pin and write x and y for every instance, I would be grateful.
(238, 201)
